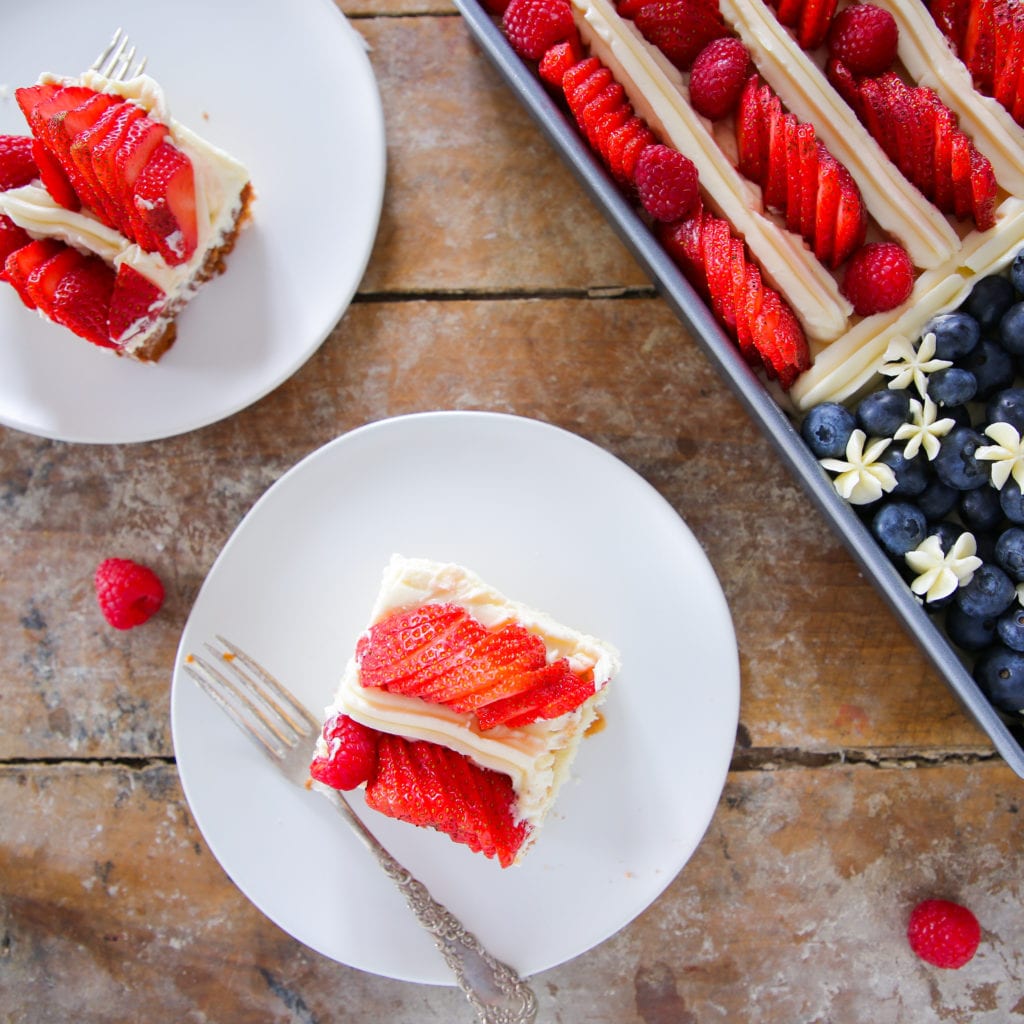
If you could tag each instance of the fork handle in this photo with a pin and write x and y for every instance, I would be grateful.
(496, 992)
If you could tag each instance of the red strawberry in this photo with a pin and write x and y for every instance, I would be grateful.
(534, 26)
(39, 102)
(679, 28)
(128, 593)
(138, 142)
(41, 282)
(666, 182)
(557, 690)
(351, 754)
(810, 19)
(54, 180)
(864, 37)
(11, 237)
(943, 933)
(718, 76)
(21, 262)
(17, 165)
(879, 277)
(81, 301)
(557, 60)
(134, 303)
(432, 787)
(165, 198)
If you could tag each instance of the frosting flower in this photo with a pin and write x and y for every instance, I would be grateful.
(861, 478)
(940, 574)
(923, 430)
(904, 363)
(1006, 455)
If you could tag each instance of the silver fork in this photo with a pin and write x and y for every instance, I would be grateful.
(115, 62)
(273, 717)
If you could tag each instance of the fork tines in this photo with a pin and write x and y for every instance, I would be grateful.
(257, 702)
(115, 61)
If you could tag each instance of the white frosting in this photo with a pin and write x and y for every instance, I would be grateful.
(536, 757)
(924, 429)
(942, 573)
(1006, 455)
(860, 478)
(220, 180)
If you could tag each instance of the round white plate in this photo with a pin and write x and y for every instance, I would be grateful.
(549, 519)
(287, 89)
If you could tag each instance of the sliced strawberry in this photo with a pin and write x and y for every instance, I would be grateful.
(17, 165)
(774, 185)
(39, 102)
(20, 263)
(794, 177)
(41, 282)
(81, 300)
(829, 190)
(808, 150)
(977, 45)
(136, 302)
(738, 268)
(850, 219)
(557, 690)
(432, 787)
(814, 23)
(141, 138)
(54, 180)
(80, 152)
(11, 237)
(749, 120)
(165, 197)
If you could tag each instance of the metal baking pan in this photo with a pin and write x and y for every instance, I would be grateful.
(747, 386)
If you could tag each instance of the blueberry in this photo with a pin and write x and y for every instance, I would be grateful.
(968, 632)
(956, 334)
(882, 413)
(937, 500)
(1010, 628)
(1011, 330)
(990, 298)
(956, 465)
(912, 475)
(992, 366)
(827, 428)
(1000, 673)
(989, 593)
(980, 509)
(1007, 406)
(959, 414)
(1010, 552)
(952, 386)
(1017, 272)
(1012, 500)
(899, 527)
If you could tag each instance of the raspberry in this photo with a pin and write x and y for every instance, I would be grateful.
(878, 277)
(864, 38)
(534, 26)
(351, 754)
(128, 593)
(943, 933)
(667, 182)
(718, 76)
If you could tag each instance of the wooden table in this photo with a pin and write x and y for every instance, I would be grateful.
(857, 786)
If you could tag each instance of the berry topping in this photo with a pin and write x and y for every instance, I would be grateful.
(134, 303)
(433, 787)
(351, 754)
(879, 277)
(717, 77)
(810, 19)
(128, 593)
(666, 182)
(557, 60)
(864, 37)
(17, 165)
(679, 28)
(943, 933)
(534, 26)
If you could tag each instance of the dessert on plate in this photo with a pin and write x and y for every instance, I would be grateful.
(460, 709)
(112, 213)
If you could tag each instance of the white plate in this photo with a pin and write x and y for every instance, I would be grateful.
(287, 89)
(550, 519)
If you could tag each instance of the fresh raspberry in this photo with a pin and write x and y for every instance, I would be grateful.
(128, 593)
(719, 73)
(943, 933)
(878, 277)
(351, 754)
(667, 182)
(534, 26)
(864, 37)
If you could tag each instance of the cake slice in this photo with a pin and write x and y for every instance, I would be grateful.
(136, 210)
(460, 709)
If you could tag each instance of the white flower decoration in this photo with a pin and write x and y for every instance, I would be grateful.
(904, 363)
(1006, 455)
(862, 478)
(1020, 594)
(923, 430)
(940, 574)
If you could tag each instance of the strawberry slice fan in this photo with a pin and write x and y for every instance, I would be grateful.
(102, 227)
(453, 724)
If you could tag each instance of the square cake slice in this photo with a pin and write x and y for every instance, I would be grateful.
(461, 709)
